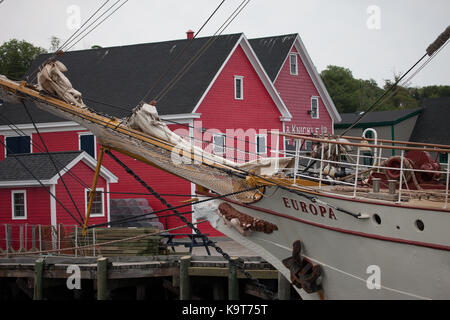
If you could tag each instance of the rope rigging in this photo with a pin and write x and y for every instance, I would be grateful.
(52, 160)
(439, 44)
(40, 182)
(239, 263)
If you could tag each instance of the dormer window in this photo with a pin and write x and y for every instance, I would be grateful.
(293, 64)
(239, 87)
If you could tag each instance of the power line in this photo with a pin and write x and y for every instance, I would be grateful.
(188, 44)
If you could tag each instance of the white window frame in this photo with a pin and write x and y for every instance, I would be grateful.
(24, 192)
(295, 73)
(86, 201)
(317, 114)
(15, 136)
(224, 144)
(95, 142)
(257, 145)
(241, 78)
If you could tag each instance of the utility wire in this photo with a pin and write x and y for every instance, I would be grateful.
(97, 25)
(202, 50)
(187, 45)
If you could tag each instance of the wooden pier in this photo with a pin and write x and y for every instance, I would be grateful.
(167, 277)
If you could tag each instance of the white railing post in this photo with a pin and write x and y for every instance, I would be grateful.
(402, 157)
(40, 237)
(321, 167)
(446, 184)
(76, 241)
(297, 155)
(278, 154)
(356, 173)
(93, 241)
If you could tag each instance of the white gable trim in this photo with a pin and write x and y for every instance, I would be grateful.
(316, 79)
(217, 75)
(92, 163)
(246, 47)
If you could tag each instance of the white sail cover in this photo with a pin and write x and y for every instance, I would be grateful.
(145, 118)
(52, 80)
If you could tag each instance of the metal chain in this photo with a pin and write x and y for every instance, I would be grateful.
(238, 263)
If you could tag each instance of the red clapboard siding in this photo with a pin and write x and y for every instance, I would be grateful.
(85, 173)
(56, 141)
(296, 92)
(38, 212)
(221, 111)
(161, 182)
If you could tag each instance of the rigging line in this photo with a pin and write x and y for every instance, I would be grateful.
(142, 236)
(36, 146)
(225, 135)
(81, 182)
(81, 27)
(223, 168)
(193, 127)
(202, 50)
(96, 26)
(52, 160)
(403, 84)
(60, 48)
(238, 264)
(113, 222)
(392, 87)
(187, 45)
(39, 181)
(174, 208)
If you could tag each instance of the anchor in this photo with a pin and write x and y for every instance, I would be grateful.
(304, 274)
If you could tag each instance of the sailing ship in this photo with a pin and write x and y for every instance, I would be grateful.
(341, 222)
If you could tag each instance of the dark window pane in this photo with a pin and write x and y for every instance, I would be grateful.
(238, 88)
(16, 145)
(87, 144)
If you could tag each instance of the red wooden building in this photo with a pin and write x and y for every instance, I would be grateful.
(24, 200)
(235, 91)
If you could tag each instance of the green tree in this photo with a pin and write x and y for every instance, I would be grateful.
(16, 57)
(54, 43)
(349, 94)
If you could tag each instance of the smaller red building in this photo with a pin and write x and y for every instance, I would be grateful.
(25, 200)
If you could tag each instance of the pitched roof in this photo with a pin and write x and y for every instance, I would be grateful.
(121, 76)
(38, 163)
(12, 168)
(432, 125)
(272, 52)
(379, 118)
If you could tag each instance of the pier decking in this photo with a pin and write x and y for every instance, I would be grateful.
(151, 277)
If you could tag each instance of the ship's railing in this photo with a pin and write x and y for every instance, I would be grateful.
(363, 157)
(45, 239)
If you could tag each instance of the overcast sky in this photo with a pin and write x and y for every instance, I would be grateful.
(374, 39)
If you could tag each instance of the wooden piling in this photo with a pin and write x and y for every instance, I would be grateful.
(284, 287)
(102, 279)
(38, 274)
(233, 282)
(185, 287)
